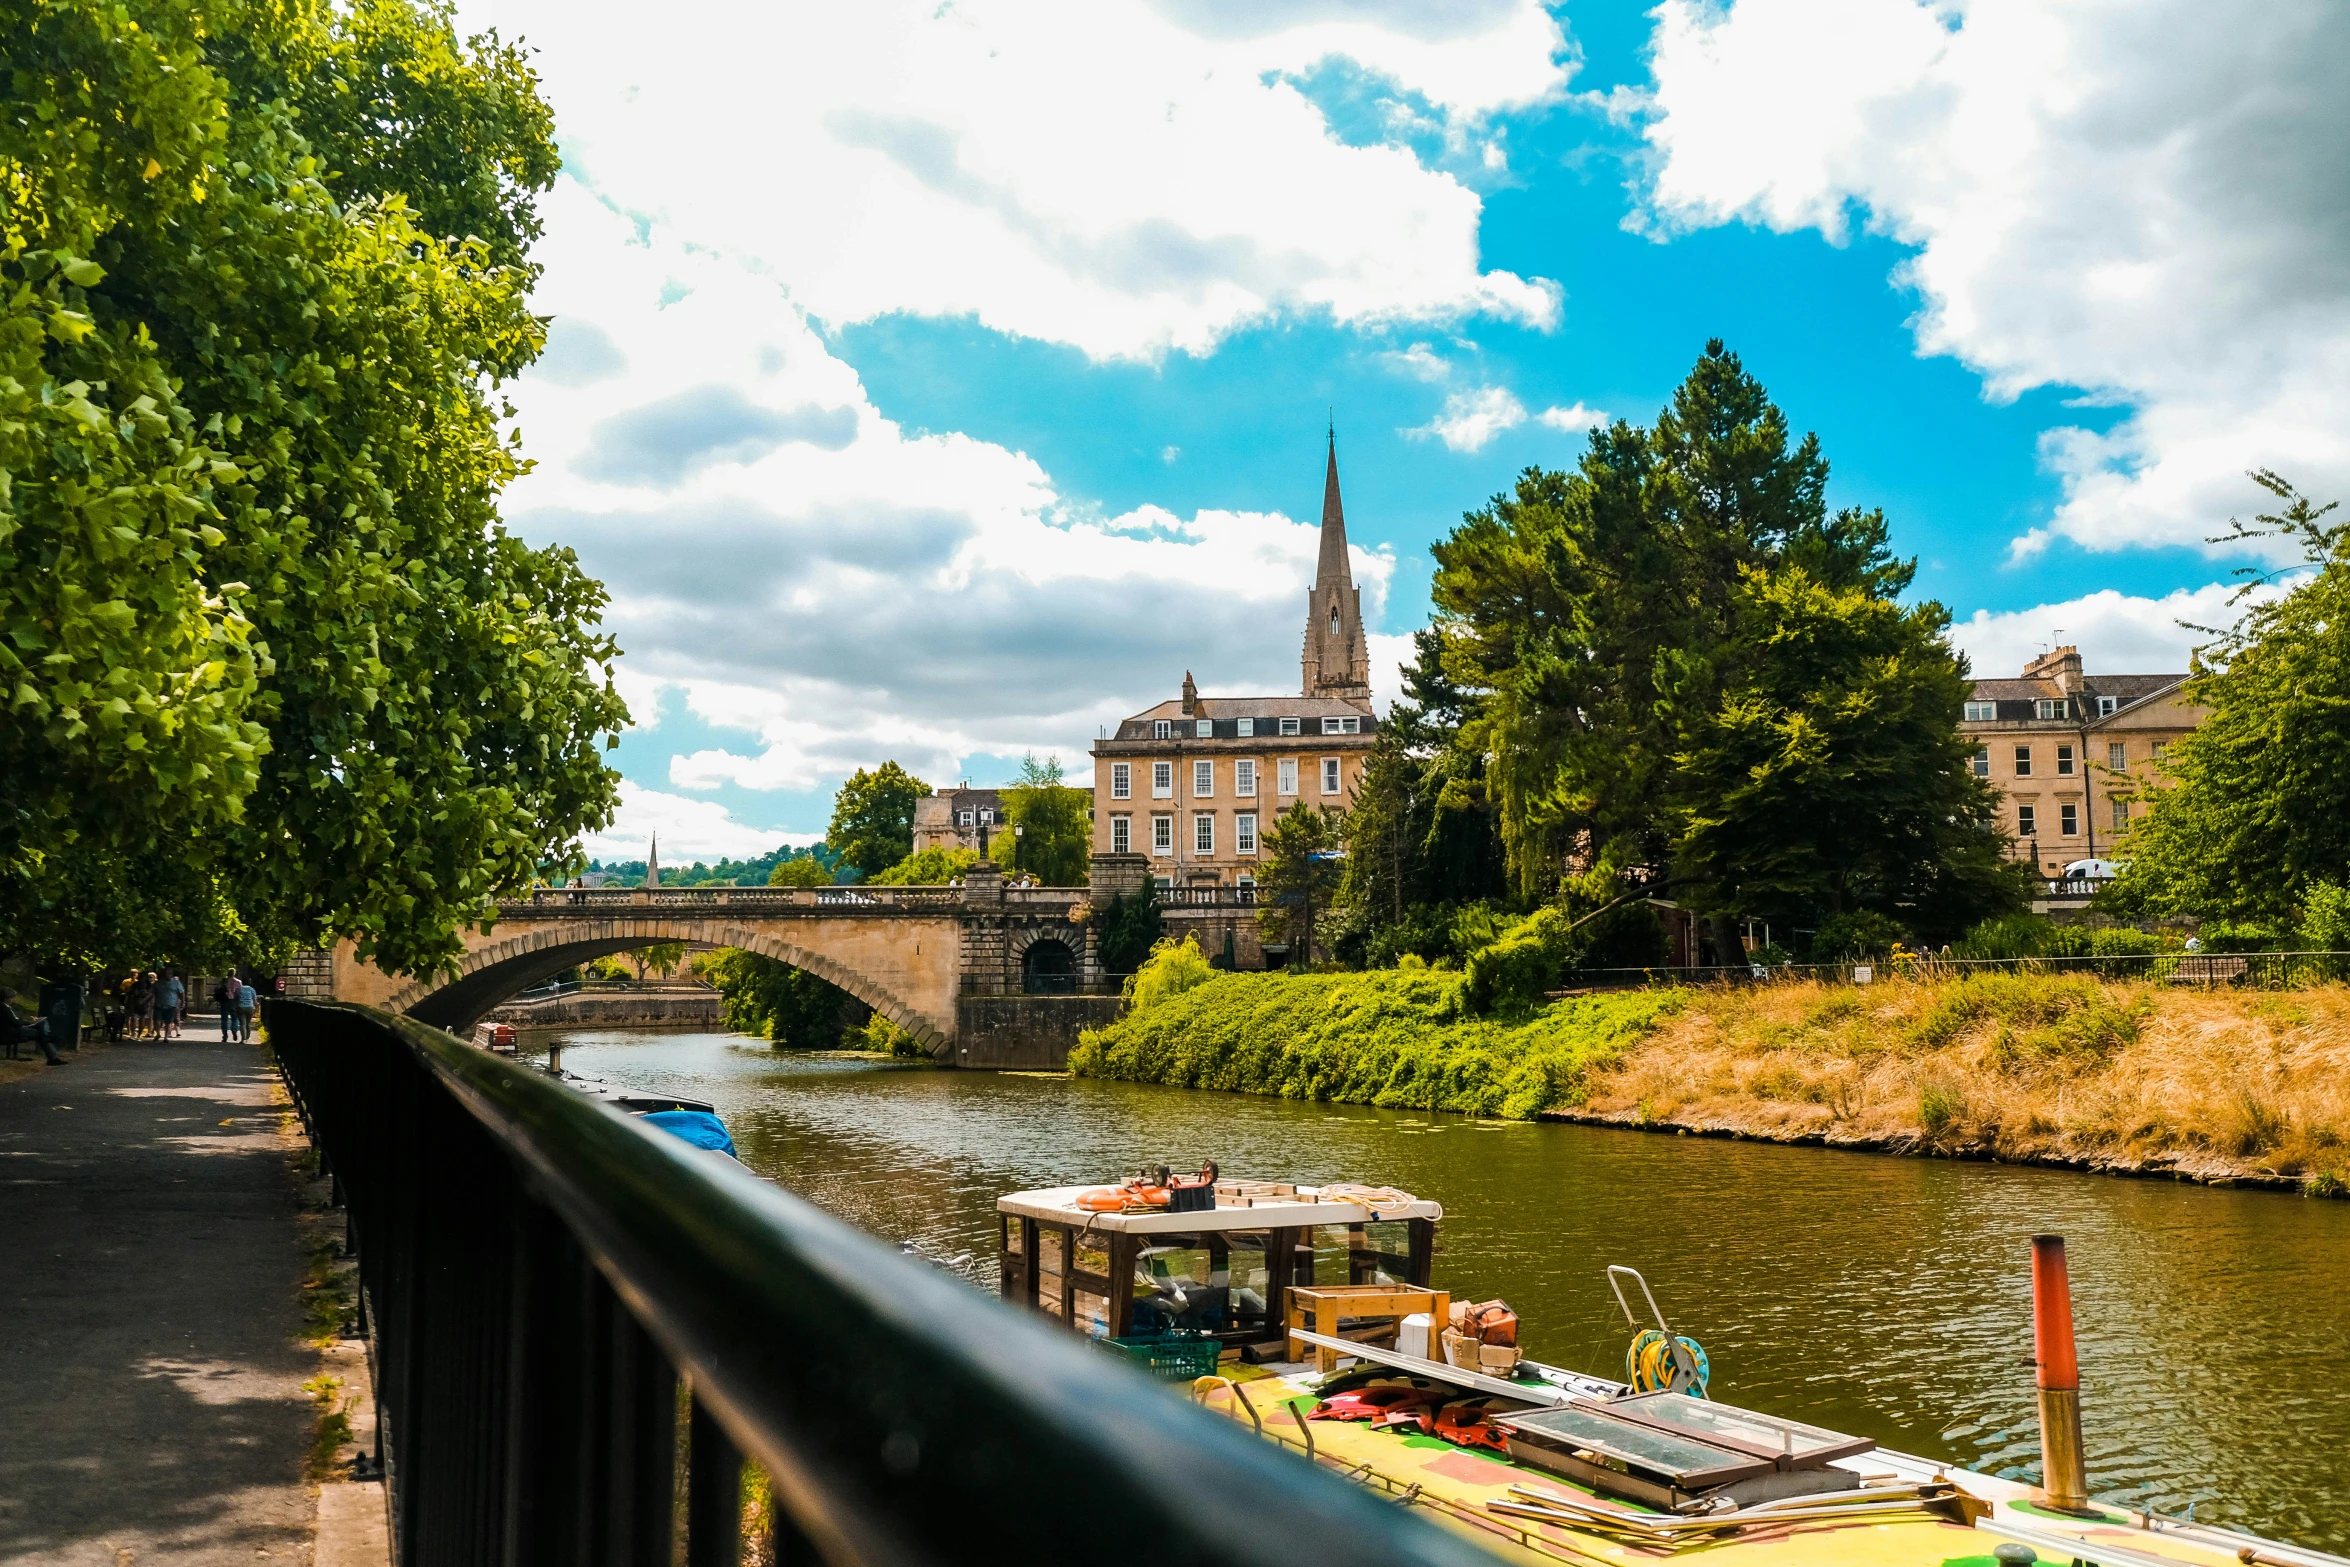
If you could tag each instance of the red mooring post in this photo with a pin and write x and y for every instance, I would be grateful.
(2064, 1475)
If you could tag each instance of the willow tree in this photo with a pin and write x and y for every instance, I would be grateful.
(1690, 677)
(258, 613)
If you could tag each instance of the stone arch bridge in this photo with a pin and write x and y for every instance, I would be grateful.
(947, 964)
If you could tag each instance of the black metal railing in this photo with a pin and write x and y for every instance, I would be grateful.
(2251, 970)
(548, 1283)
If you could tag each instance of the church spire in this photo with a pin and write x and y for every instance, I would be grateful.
(1337, 662)
(653, 863)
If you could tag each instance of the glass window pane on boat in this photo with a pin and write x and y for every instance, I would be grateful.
(1178, 1284)
(1248, 1276)
(1093, 1255)
(1091, 1313)
(1048, 1249)
(1740, 1429)
(1659, 1452)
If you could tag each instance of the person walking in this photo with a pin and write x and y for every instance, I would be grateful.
(168, 996)
(143, 1004)
(224, 1001)
(246, 1001)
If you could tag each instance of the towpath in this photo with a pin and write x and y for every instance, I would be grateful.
(151, 1365)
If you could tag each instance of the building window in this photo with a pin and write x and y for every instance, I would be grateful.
(2064, 761)
(2116, 757)
(1121, 780)
(987, 816)
(1162, 729)
(1981, 712)
(2068, 819)
(1286, 775)
(1244, 834)
(1982, 761)
(1342, 726)
(2121, 815)
(2106, 705)
(2050, 707)
(1203, 780)
(1121, 835)
(2023, 759)
(1244, 727)
(1246, 886)
(962, 818)
(2026, 821)
(1244, 778)
(1162, 780)
(1205, 729)
(1203, 832)
(1289, 726)
(1162, 835)
(2161, 749)
(1330, 773)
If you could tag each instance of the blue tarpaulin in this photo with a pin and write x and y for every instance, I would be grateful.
(698, 1127)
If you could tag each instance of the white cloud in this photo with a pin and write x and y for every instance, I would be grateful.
(2116, 633)
(689, 830)
(2147, 201)
(1471, 420)
(794, 567)
(1575, 418)
(1125, 176)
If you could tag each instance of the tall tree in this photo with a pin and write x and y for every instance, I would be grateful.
(1053, 840)
(1298, 874)
(1641, 633)
(260, 614)
(2260, 811)
(873, 817)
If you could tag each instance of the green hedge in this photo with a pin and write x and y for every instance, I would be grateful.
(1393, 1037)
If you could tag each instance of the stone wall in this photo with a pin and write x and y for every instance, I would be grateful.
(1026, 1033)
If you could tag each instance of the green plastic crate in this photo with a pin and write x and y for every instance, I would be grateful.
(1175, 1358)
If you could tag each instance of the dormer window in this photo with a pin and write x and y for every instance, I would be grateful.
(2106, 705)
(962, 818)
(2050, 707)
(1205, 729)
(1162, 729)
(1289, 726)
(1981, 712)
(1244, 727)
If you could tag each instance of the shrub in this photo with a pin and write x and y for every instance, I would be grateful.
(2325, 917)
(2006, 936)
(2233, 936)
(929, 868)
(1389, 1037)
(1940, 1108)
(1508, 977)
(1859, 936)
(1174, 966)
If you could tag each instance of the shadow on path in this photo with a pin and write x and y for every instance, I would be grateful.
(151, 1406)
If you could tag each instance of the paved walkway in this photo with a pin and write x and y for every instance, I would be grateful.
(151, 1403)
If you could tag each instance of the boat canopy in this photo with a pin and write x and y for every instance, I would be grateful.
(1058, 1205)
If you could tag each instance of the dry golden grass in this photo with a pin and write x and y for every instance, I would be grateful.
(2114, 1075)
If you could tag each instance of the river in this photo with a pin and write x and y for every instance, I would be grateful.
(1886, 1297)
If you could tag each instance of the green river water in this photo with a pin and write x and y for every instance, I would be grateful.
(1886, 1297)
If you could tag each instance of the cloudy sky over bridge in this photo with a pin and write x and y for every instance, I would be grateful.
(942, 380)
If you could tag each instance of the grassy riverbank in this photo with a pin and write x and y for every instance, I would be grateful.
(2120, 1076)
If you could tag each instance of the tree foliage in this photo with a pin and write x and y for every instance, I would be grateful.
(775, 1001)
(1681, 670)
(258, 614)
(1298, 874)
(873, 817)
(802, 871)
(2260, 811)
(1054, 841)
(931, 867)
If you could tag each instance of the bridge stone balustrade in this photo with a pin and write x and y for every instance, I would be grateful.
(913, 954)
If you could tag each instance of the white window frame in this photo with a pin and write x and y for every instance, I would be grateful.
(2106, 705)
(1204, 729)
(1982, 761)
(1122, 833)
(1982, 712)
(1121, 780)
(1162, 729)
(2117, 756)
(2064, 761)
(1342, 726)
(1285, 774)
(1162, 832)
(2068, 820)
(1244, 778)
(2121, 814)
(2049, 707)
(1203, 832)
(1203, 780)
(1244, 833)
(1333, 776)
(1244, 727)
(987, 816)
(1289, 726)
(963, 818)
(2023, 761)
(1162, 780)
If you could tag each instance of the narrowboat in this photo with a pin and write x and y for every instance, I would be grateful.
(1309, 1314)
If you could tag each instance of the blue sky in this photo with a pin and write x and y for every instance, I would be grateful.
(941, 382)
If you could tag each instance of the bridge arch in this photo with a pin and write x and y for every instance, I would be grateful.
(499, 968)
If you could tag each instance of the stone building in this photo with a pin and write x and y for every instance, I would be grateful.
(1192, 784)
(955, 818)
(2075, 756)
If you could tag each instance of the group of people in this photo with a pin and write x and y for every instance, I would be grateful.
(152, 1004)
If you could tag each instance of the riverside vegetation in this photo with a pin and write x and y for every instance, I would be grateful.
(2130, 1077)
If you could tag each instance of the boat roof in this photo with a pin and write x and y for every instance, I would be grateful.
(1058, 1205)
